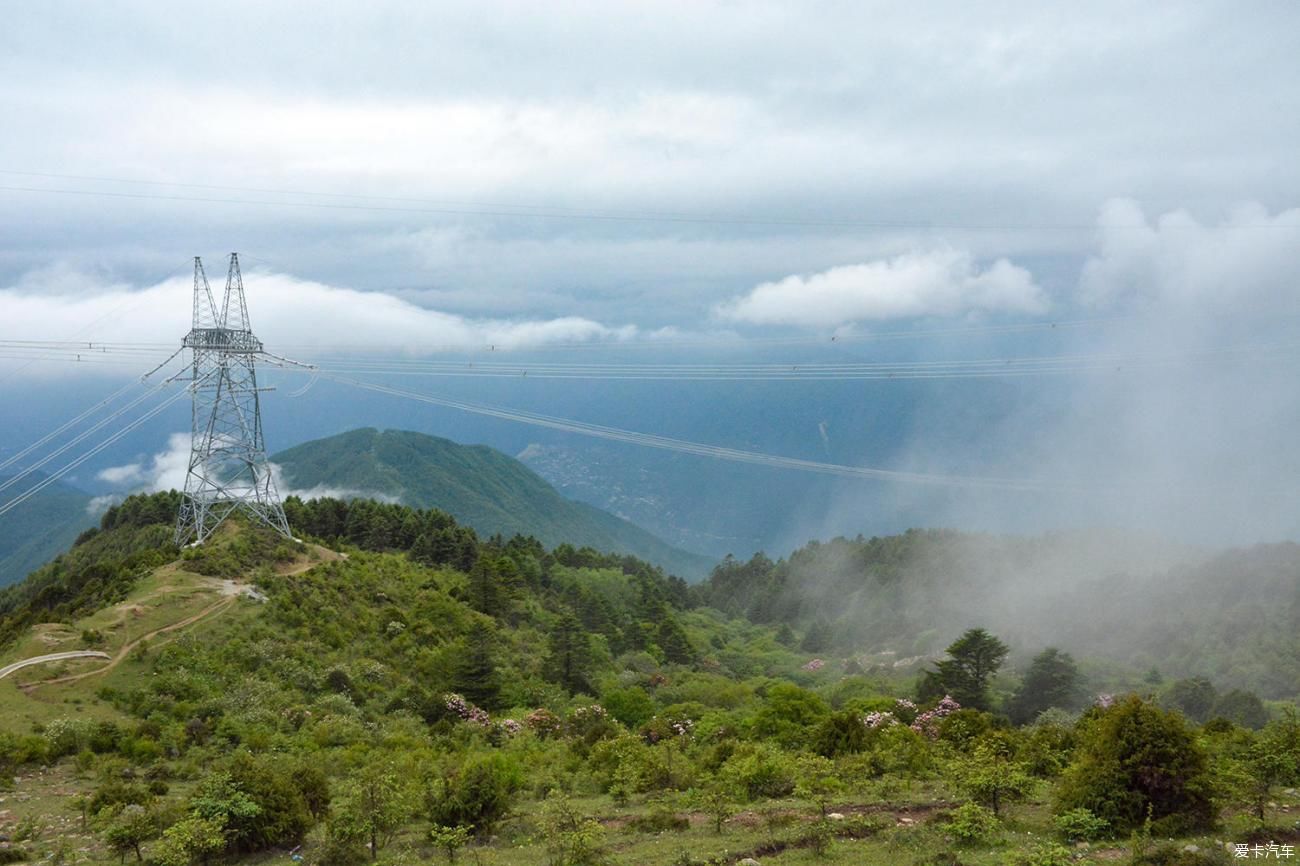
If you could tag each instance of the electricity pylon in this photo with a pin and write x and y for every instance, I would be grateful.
(228, 470)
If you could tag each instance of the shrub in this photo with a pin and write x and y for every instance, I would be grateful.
(972, 824)
(572, 839)
(1042, 854)
(478, 795)
(1137, 760)
(1080, 825)
(760, 770)
(631, 706)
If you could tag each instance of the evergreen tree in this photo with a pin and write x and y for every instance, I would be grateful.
(1194, 698)
(486, 593)
(476, 673)
(569, 662)
(1052, 681)
(673, 641)
(972, 661)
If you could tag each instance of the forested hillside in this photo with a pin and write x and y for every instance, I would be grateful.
(1124, 600)
(397, 688)
(480, 486)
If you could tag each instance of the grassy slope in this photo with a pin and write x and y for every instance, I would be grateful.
(478, 485)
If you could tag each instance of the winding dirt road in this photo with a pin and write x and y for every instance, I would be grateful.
(125, 650)
(52, 657)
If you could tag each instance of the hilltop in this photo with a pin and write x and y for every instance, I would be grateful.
(479, 486)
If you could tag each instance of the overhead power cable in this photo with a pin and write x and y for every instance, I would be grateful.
(67, 425)
(81, 437)
(446, 207)
(73, 464)
(712, 451)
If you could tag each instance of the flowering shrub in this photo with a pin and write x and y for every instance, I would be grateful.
(814, 665)
(543, 722)
(927, 723)
(879, 720)
(510, 727)
(465, 711)
(590, 723)
(1105, 701)
(667, 727)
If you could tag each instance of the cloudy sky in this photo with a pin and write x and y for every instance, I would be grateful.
(881, 160)
(517, 174)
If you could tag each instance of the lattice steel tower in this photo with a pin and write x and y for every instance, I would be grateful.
(228, 469)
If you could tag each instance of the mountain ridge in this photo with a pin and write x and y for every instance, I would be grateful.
(478, 485)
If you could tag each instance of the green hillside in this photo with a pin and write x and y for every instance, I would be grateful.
(36, 531)
(395, 689)
(479, 486)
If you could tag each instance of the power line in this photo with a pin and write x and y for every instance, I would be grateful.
(1061, 364)
(563, 213)
(59, 473)
(80, 437)
(698, 449)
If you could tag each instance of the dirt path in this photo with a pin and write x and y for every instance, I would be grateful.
(52, 657)
(122, 653)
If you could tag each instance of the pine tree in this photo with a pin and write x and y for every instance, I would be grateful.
(1051, 681)
(569, 662)
(476, 673)
(972, 661)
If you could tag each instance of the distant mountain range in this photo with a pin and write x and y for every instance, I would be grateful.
(41, 528)
(480, 486)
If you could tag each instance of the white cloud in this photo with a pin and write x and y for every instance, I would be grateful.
(286, 313)
(166, 471)
(131, 473)
(936, 283)
(1247, 262)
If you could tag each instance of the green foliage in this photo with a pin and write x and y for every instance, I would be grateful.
(449, 839)
(101, 570)
(572, 839)
(1241, 708)
(1135, 760)
(129, 829)
(477, 794)
(1194, 698)
(631, 706)
(662, 817)
(717, 799)
(817, 782)
(373, 805)
(973, 824)
(1053, 680)
(1042, 854)
(191, 839)
(789, 714)
(990, 777)
(759, 771)
(841, 733)
(1081, 825)
(569, 661)
(485, 489)
(476, 674)
(972, 661)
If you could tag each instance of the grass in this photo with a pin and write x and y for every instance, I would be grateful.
(167, 596)
(907, 830)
